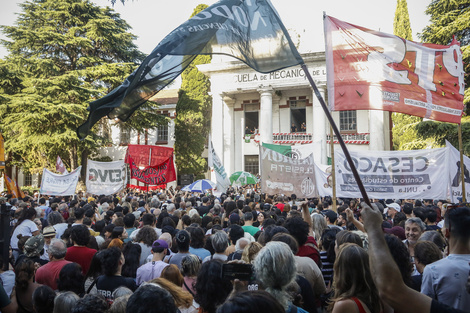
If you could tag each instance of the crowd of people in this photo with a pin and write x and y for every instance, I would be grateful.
(166, 251)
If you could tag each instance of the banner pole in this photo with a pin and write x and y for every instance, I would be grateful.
(338, 135)
(462, 165)
(333, 169)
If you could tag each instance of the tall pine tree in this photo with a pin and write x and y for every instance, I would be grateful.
(193, 116)
(404, 133)
(62, 54)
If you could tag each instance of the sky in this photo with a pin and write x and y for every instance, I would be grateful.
(152, 20)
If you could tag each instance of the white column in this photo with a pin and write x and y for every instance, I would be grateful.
(266, 114)
(376, 122)
(320, 125)
(229, 130)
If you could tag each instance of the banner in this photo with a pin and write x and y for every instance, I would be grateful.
(250, 31)
(221, 176)
(154, 175)
(324, 181)
(296, 151)
(11, 187)
(53, 184)
(60, 167)
(145, 155)
(370, 70)
(412, 174)
(455, 173)
(283, 175)
(2, 152)
(105, 178)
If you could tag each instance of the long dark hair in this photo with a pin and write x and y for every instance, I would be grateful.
(131, 253)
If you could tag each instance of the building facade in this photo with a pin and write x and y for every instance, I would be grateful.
(280, 107)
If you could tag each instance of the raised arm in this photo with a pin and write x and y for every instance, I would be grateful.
(385, 272)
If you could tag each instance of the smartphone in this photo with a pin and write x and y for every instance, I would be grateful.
(238, 271)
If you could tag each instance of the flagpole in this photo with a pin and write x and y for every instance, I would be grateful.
(333, 169)
(338, 135)
(462, 165)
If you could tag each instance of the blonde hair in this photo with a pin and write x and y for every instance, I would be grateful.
(250, 252)
(182, 297)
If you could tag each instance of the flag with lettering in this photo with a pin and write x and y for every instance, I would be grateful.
(60, 166)
(105, 178)
(158, 174)
(221, 176)
(249, 30)
(59, 185)
(370, 70)
(145, 155)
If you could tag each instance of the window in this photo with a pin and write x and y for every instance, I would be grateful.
(252, 164)
(162, 133)
(251, 118)
(28, 179)
(347, 121)
(298, 116)
(124, 135)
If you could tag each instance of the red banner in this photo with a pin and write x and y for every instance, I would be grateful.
(146, 155)
(145, 188)
(370, 70)
(162, 173)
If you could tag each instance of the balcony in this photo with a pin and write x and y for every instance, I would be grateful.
(353, 139)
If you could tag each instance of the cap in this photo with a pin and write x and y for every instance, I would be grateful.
(91, 199)
(34, 246)
(234, 218)
(160, 243)
(48, 231)
(330, 214)
(397, 231)
(395, 206)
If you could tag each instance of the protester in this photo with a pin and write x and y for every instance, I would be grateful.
(49, 273)
(79, 252)
(153, 269)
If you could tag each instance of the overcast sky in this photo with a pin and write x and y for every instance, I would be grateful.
(152, 20)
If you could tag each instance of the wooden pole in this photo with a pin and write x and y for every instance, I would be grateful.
(462, 165)
(333, 169)
(360, 185)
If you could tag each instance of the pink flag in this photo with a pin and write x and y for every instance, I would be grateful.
(60, 167)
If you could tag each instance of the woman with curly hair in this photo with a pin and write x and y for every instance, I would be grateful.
(211, 288)
(71, 278)
(354, 289)
(145, 238)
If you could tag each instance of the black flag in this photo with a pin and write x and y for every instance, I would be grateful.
(249, 30)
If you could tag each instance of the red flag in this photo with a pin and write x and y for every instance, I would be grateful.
(60, 166)
(145, 155)
(370, 70)
(162, 173)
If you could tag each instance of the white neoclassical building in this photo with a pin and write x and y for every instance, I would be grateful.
(281, 108)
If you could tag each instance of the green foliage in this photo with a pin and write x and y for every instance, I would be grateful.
(193, 117)
(439, 132)
(62, 55)
(401, 23)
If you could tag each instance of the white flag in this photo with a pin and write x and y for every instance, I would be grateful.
(221, 176)
(455, 173)
(60, 166)
(59, 185)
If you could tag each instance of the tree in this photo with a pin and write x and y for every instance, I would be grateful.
(62, 55)
(403, 132)
(448, 19)
(193, 116)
